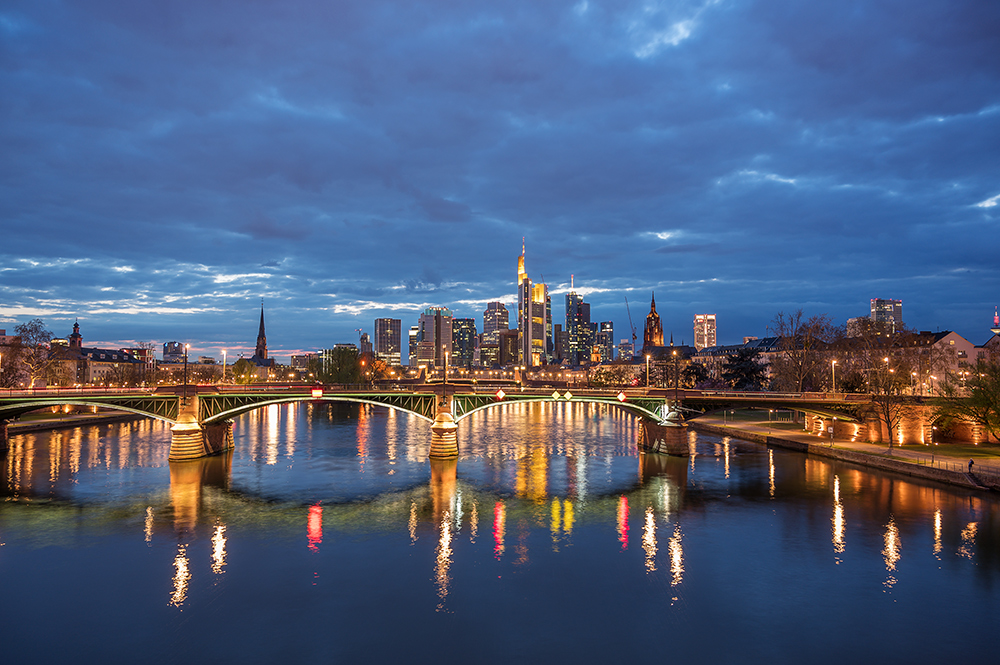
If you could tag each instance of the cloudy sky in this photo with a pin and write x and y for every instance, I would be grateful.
(165, 165)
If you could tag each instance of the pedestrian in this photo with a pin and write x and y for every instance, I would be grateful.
(970, 465)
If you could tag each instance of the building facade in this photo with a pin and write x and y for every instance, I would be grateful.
(387, 340)
(463, 342)
(495, 318)
(704, 331)
(888, 312)
(434, 337)
(532, 308)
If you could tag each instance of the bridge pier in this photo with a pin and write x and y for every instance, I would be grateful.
(444, 437)
(191, 440)
(3, 437)
(667, 437)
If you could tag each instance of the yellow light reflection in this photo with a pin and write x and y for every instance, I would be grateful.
(443, 558)
(474, 522)
(413, 522)
(273, 414)
(892, 551)
(555, 523)
(937, 533)
(838, 519)
(567, 517)
(725, 449)
(149, 524)
(649, 539)
(219, 549)
(770, 473)
(182, 577)
(676, 551)
(966, 549)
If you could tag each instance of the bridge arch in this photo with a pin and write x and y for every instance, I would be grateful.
(466, 408)
(10, 411)
(233, 411)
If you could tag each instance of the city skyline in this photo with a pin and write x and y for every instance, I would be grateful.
(167, 167)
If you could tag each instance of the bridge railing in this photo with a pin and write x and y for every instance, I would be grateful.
(72, 390)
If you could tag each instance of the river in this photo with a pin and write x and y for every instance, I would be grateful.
(326, 535)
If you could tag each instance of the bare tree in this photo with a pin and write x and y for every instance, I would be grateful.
(32, 349)
(803, 349)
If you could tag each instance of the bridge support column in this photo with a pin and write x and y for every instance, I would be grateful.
(668, 437)
(187, 438)
(444, 438)
(3, 437)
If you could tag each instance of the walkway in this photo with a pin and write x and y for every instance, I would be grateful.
(910, 454)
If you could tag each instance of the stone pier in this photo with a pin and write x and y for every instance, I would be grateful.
(191, 440)
(668, 436)
(3, 437)
(444, 439)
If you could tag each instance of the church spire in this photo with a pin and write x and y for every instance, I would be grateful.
(261, 352)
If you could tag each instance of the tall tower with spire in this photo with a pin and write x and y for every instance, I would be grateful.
(532, 317)
(261, 352)
(653, 335)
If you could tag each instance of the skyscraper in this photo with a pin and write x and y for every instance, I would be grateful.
(413, 337)
(387, 340)
(434, 338)
(889, 312)
(531, 318)
(495, 318)
(463, 339)
(704, 331)
(606, 341)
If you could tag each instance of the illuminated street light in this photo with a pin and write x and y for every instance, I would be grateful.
(833, 377)
(647, 371)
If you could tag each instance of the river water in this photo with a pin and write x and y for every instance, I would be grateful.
(328, 536)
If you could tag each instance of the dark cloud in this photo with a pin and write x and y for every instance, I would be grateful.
(348, 160)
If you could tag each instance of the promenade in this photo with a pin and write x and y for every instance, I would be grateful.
(919, 461)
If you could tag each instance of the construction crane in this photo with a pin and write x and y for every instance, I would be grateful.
(634, 336)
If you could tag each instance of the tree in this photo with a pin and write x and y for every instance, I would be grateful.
(244, 371)
(32, 349)
(744, 371)
(803, 350)
(978, 400)
(694, 375)
(342, 365)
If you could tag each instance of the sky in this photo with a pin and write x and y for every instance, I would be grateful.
(168, 165)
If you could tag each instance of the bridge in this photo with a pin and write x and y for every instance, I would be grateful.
(201, 417)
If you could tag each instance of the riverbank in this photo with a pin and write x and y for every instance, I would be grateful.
(907, 462)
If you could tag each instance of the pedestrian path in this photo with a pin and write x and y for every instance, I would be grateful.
(926, 458)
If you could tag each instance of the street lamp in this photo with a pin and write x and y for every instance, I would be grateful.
(833, 377)
(647, 371)
(186, 347)
(223, 365)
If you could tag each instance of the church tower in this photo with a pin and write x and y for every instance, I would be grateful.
(261, 352)
(653, 335)
(76, 339)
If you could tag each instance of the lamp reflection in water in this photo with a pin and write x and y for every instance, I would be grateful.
(892, 551)
(314, 532)
(838, 519)
(499, 528)
(725, 452)
(937, 534)
(148, 527)
(966, 549)
(219, 549)
(182, 577)
(623, 521)
(443, 558)
(413, 522)
(676, 551)
(649, 539)
(770, 472)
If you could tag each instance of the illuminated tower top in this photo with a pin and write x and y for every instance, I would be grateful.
(653, 335)
(996, 322)
(521, 274)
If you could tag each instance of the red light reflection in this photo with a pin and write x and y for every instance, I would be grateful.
(623, 522)
(315, 528)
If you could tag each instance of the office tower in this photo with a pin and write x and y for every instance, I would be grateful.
(653, 334)
(495, 318)
(531, 317)
(413, 338)
(463, 340)
(387, 340)
(434, 342)
(704, 331)
(365, 344)
(888, 312)
(580, 335)
(626, 350)
(509, 347)
(173, 352)
(606, 341)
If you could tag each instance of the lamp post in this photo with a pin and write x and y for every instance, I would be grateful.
(647, 372)
(833, 377)
(186, 347)
(223, 365)
(676, 377)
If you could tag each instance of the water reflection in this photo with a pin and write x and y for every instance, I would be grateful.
(676, 549)
(968, 542)
(219, 549)
(182, 577)
(314, 528)
(891, 551)
(838, 519)
(649, 539)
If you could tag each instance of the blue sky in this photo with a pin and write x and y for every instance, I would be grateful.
(168, 164)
